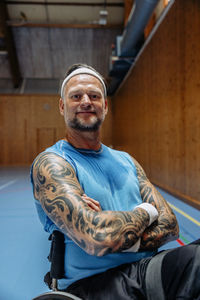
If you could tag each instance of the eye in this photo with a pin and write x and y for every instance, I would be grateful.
(94, 96)
(76, 97)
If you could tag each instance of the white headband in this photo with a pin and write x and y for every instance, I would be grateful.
(82, 71)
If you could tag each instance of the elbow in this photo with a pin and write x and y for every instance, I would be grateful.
(174, 228)
(176, 231)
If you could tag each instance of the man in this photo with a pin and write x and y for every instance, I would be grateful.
(113, 218)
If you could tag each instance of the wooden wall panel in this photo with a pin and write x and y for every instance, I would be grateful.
(156, 111)
(23, 117)
(29, 124)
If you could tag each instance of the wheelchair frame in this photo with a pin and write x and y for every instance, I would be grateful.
(56, 258)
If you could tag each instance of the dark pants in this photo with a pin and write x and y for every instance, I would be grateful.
(180, 278)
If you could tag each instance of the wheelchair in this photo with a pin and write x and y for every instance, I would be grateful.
(56, 258)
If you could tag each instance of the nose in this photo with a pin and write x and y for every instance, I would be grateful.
(85, 100)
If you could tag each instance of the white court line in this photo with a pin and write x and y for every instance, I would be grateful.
(7, 184)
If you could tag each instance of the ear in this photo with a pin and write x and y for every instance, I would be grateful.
(106, 105)
(61, 106)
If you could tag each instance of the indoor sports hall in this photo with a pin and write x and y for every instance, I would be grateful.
(149, 54)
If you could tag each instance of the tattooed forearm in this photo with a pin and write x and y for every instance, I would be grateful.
(166, 228)
(98, 233)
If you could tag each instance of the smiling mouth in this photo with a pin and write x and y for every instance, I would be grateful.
(85, 112)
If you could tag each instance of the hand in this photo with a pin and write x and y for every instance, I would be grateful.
(91, 203)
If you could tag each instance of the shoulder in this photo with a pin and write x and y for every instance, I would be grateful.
(54, 155)
(118, 153)
(47, 157)
(50, 165)
(123, 157)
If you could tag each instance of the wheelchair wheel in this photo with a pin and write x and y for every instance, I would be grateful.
(56, 296)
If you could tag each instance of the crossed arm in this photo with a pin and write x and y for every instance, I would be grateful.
(166, 228)
(98, 233)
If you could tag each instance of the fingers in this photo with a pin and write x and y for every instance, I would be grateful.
(91, 203)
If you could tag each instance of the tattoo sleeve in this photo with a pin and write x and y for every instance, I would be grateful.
(98, 233)
(166, 228)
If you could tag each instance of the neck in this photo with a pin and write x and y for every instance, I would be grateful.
(83, 140)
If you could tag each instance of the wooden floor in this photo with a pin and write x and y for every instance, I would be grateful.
(24, 244)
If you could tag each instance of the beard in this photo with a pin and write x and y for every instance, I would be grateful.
(82, 125)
